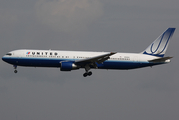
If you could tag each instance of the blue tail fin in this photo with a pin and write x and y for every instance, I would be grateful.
(159, 46)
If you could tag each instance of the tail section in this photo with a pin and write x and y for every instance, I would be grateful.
(159, 46)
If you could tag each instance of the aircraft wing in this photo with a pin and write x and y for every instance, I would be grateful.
(99, 59)
(160, 59)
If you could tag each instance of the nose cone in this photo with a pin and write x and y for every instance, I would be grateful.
(7, 59)
(4, 58)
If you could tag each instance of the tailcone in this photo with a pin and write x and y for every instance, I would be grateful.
(168, 61)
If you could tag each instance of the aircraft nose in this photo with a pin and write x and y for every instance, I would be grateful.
(4, 58)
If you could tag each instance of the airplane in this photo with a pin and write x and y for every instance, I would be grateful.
(73, 60)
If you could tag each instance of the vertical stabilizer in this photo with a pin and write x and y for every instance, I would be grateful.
(159, 46)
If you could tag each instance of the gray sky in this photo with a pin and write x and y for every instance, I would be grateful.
(94, 25)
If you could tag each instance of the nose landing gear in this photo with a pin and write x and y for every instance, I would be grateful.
(15, 67)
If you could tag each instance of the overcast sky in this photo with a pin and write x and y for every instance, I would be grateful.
(89, 25)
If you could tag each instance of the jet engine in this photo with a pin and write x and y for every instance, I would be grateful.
(68, 66)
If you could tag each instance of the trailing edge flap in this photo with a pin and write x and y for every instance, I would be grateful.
(160, 59)
(99, 59)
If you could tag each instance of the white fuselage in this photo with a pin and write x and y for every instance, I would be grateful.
(52, 58)
(72, 60)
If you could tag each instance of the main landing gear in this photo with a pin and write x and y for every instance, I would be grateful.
(15, 67)
(87, 68)
(87, 74)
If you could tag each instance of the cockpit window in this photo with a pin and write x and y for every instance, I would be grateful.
(9, 54)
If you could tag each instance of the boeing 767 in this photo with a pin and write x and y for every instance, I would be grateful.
(73, 60)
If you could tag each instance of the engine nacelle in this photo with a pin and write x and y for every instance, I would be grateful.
(68, 66)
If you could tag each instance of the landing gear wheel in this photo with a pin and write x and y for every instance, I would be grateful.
(15, 71)
(85, 74)
(89, 73)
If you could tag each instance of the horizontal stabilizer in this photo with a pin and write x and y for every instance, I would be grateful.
(160, 59)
